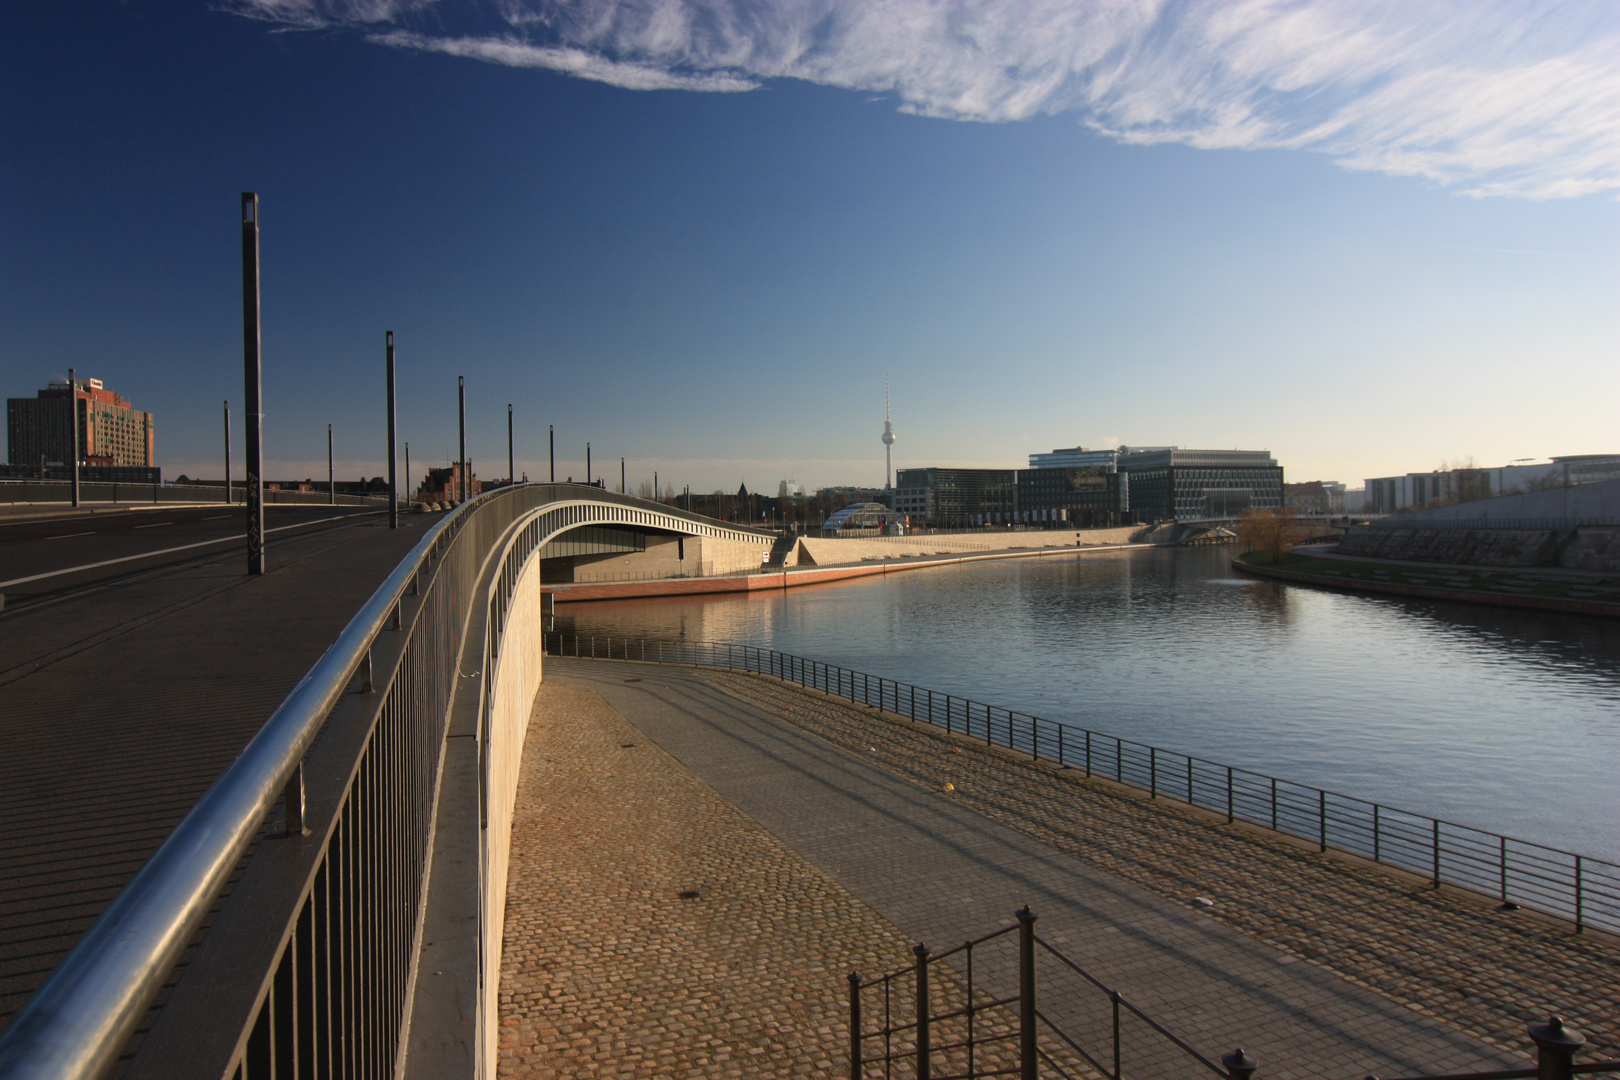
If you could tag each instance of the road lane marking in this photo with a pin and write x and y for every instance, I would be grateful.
(170, 551)
(64, 536)
(155, 525)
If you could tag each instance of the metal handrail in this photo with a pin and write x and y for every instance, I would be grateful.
(76, 1024)
(1516, 872)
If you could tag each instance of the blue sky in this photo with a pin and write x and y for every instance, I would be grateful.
(1369, 237)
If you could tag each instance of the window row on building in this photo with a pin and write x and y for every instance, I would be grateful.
(1095, 488)
(112, 432)
(1387, 494)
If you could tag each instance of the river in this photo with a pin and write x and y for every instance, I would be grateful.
(1499, 719)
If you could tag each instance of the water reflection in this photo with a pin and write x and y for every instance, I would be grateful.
(1486, 716)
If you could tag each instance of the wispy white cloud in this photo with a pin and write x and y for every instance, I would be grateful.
(579, 62)
(1489, 97)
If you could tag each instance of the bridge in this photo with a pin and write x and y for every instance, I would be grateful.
(334, 904)
(372, 806)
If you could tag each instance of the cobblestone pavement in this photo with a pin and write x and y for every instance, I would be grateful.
(1445, 955)
(871, 813)
(610, 969)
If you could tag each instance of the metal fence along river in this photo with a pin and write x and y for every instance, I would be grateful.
(1579, 888)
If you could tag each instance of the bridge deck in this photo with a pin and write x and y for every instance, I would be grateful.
(128, 690)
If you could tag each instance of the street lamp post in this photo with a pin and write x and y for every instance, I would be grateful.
(73, 407)
(511, 471)
(252, 382)
(393, 485)
(227, 451)
(331, 477)
(461, 444)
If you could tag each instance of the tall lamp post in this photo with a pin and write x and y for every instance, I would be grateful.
(393, 484)
(587, 463)
(331, 477)
(461, 437)
(227, 451)
(73, 407)
(252, 403)
(511, 473)
(551, 439)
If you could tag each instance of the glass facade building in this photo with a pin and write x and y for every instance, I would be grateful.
(955, 497)
(1087, 497)
(1189, 485)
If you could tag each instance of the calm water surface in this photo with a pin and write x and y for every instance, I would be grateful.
(1482, 716)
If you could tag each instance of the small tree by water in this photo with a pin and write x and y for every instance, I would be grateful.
(1271, 531)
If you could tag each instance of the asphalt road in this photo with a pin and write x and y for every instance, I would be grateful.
(42, 557)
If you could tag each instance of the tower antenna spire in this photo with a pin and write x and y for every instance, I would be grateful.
(888, 440)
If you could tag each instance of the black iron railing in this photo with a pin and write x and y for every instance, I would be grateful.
(1579, 888)
(962, 1023)
(957, 1024)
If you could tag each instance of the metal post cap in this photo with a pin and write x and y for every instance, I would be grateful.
(1553, 1035)
(920, 949)
(854, 978)
(1239, 1066)
(1024, 913)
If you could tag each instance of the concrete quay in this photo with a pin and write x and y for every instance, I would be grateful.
(796, 577)
(819, 838)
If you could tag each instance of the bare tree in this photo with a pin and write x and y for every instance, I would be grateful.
(1271, 531)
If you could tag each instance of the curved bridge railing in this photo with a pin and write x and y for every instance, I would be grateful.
(277, 930)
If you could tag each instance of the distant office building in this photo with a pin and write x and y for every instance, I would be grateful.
(1078, 457)
(1387, 494)
(1172, 484)
(790, 489)
(444, 485)
(112, 432)
(1314, 497)
(871, 515)
(952, 497)
(1086, 496)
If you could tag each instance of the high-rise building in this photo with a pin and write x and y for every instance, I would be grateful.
(112, 432)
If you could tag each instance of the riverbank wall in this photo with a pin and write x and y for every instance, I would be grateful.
(832, 551)
(1365, 576)
(1594, 548)
(794, 577)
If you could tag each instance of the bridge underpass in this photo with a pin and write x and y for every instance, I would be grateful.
(129, 691)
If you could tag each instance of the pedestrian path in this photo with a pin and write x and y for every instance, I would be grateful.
(933, 867)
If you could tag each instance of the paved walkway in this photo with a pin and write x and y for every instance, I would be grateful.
(874, 820)
(124, 698)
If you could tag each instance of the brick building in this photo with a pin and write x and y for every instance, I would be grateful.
(112, 432)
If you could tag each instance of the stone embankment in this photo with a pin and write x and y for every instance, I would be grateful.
(855, 560)
(830, 551)
(1446, 953)
(676, 909)
(1544, 590)
(1593, 548)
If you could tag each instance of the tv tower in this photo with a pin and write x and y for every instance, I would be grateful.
(888, 440)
